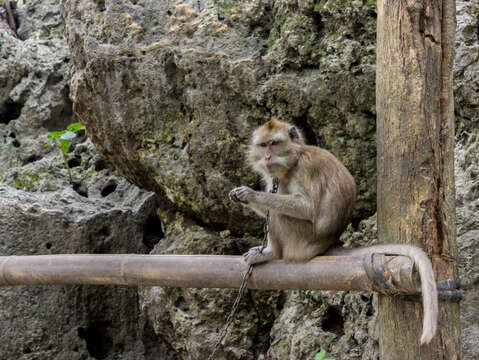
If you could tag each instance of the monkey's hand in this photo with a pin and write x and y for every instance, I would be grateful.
(242, 194)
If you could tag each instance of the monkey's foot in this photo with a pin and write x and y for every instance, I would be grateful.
(257, 255)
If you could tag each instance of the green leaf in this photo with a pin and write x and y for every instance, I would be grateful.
(321, 355)
(76, 127)
(56, 134)
(65, 146)
(68, 135)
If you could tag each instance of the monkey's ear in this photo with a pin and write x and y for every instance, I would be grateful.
(295, 135)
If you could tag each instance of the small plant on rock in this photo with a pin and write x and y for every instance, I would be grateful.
(62, 139)
(27, 181)
(321, 355)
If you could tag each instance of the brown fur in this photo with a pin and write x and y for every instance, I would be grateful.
(272, 125)
(316, 193)
(313, 206)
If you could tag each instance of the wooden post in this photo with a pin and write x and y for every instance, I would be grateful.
(415, 144)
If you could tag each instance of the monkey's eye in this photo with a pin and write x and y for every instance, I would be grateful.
(263, 144)
(275, 142)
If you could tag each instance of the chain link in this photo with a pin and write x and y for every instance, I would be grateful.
(244, 282)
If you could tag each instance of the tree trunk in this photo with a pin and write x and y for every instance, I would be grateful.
(415, 143)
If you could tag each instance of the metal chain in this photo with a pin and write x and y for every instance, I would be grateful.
(244, 282)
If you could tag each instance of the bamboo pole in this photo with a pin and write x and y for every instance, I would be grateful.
(207, 271)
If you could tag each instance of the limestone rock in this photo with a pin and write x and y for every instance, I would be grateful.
(42, 213)
(466, 67)
(74, 322)
(466, 90)
(34, 91)
(182, 84)
(468, 270)
(191, 319)
(339, 322)
(467, 194)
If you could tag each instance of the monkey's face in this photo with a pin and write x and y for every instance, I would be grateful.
(272, 151)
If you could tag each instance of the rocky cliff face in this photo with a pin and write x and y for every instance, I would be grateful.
(169, 92)
(188, 80)
(466, 73)
(42, 213)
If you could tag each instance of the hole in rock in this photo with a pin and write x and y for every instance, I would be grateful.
(333, 321)
(307, 131)
(48, 245)
(108, 189)
(101, 5)
(11, 111)
(62, 113)
(100, 164)
(33, 158)
(74, 162)
(103, 232)
(153, 232)
(16, 143)
(98, 341)
(80, 188)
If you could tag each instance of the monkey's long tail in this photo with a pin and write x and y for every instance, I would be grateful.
(428, 283)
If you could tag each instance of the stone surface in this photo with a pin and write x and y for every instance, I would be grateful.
(190, 319)
(181, 85)
(466, 92)
(40, 20)
(466, 66)
(339, 322)
(34, 91)
(41, 212)
(467, 194)
(75, 322)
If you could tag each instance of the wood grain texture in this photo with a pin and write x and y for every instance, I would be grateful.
(415, 143)
(204, 271)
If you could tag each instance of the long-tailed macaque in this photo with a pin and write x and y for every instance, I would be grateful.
(313, 206)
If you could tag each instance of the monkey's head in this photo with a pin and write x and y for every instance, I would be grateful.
(275, 147)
